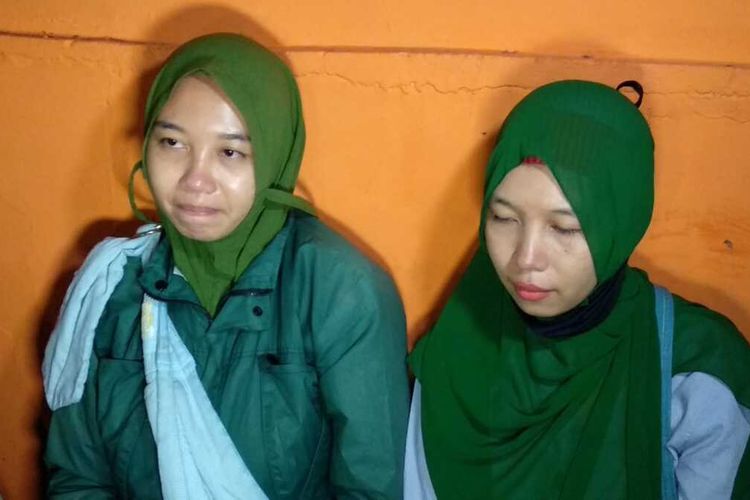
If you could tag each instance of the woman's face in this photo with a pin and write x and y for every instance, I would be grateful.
(536, 245)
(200, 162)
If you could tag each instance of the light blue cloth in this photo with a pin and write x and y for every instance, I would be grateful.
(417, 483)
(709, 433)
(197, 458)
(66, 358)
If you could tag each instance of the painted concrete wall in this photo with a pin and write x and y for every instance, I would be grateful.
(402, 100)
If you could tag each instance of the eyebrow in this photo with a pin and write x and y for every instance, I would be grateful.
(234, 137)
(229, 136)
(558, 211)
(168, 125)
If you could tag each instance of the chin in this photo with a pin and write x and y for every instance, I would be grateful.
(538, 309)
(203, 235)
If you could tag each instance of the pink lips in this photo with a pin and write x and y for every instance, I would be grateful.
(196, 211)
(531, 293)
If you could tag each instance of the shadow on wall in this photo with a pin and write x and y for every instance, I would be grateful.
(192, 22)
(165, 35)
(168, 33)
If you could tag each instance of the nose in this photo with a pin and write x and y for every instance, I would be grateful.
(199, 175)
(531, 252)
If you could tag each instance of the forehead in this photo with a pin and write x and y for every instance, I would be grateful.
(531, 186)
(198, 99)
(195, 87)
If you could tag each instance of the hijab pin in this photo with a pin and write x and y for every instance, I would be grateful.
(534, 160)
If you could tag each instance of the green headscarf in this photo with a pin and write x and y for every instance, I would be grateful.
(508, 414)
(264, 92)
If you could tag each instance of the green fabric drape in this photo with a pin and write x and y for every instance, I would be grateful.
(507, 414)
(264, 92)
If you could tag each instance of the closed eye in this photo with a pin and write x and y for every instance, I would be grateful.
(566, 231)
(501, 219)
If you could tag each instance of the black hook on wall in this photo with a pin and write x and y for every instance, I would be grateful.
(637, 87)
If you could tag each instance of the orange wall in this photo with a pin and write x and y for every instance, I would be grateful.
(402, 99)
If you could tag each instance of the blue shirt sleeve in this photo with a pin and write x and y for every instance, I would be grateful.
(417, 483)
(709, 433)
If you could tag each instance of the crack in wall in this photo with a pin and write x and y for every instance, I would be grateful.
(722, 117)
(412, 86)
(701, 94)
(56, 37)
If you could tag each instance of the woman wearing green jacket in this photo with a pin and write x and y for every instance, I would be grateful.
(556, 371)
(242, 349)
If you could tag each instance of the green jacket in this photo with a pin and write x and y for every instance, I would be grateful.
(305, 365)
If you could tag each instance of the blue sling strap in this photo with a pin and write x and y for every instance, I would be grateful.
(665, 323)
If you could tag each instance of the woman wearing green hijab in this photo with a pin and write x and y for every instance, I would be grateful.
(556, 371)
(242, 349)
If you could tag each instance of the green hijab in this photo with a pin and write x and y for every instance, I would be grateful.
(264, 92)
(508, 414)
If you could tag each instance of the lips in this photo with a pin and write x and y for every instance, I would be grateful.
(196, 210)
(530, 293)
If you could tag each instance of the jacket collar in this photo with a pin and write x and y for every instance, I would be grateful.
(162, 280)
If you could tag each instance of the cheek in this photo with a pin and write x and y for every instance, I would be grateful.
(239, 186)
(159, 179)
(500, 245)
(579, 269)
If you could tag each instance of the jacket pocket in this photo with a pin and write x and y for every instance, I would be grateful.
(125, 429)
(295, 433)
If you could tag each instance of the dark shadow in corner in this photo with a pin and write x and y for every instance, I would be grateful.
(165, 35)
(178, 27)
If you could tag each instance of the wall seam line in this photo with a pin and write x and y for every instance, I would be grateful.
(389, 50)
